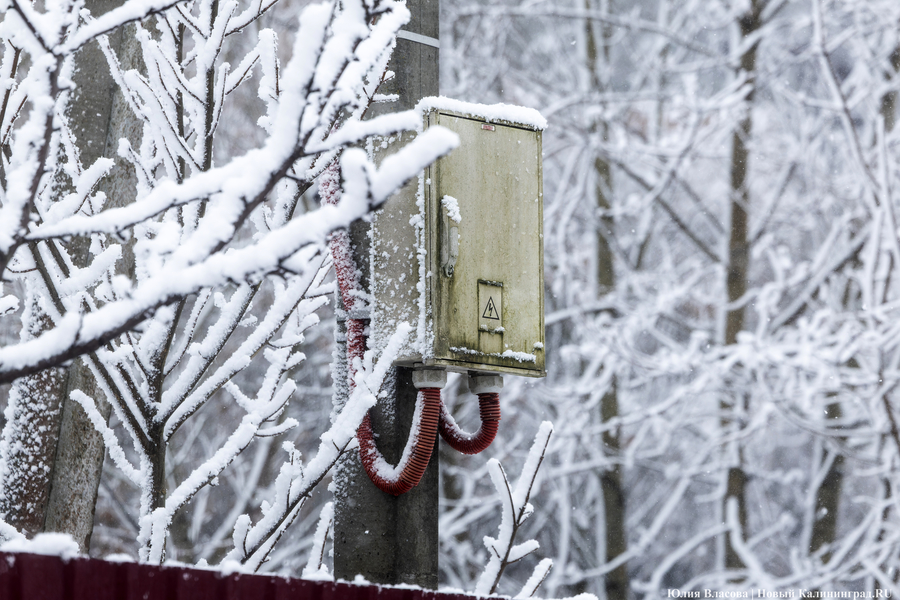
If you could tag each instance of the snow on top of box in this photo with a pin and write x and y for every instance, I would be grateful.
(520, 115)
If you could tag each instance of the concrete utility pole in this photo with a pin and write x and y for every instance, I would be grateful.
(54, 475)
(99, 117)
(384, 538)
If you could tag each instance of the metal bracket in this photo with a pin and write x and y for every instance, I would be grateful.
(418, 38)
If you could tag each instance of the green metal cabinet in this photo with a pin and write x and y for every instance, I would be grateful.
(474, 229)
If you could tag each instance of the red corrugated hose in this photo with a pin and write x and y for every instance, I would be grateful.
(417, 459)
(473, 443)
(431, 412)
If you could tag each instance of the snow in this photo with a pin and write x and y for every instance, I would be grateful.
(390, 472)
(294, 483)
(537, 577)
(119, 557)
(84, 185)
(519, 115)
(49, 544)
(522, 550)
(518, 356)
(182, 278)
(32, 351)
(109, 437)
(8, 304)
(452, 205)
(130, 11)
(407, 163)
(383, 125)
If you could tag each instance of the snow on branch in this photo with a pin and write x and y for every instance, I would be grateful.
(202, 271)
(315, 565)
(367, 189)
(109, 437)
(537, 578)
(128, 12)
(294, 484)
(514, 510)
(335, 54)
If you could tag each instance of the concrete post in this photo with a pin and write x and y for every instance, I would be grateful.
(99, 117)
(384, 538)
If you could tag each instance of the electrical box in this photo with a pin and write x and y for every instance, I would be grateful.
(460, 255)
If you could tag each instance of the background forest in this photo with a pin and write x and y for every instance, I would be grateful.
(721, 245)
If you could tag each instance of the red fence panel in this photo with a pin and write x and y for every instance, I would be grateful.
(39, 577)
(96, 580)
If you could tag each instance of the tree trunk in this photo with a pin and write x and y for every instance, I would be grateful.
(889, 100)
(828, 496)
(614, 501)
(616, 581)
(889, 114)
(30, 435)
(738, 263)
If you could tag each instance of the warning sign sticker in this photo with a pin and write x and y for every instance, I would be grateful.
(490, 306)
(490, 310)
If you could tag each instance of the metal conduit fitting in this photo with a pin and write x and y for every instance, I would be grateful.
(485, 383)
(429, 378)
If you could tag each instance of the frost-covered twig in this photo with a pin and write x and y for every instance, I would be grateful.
(252, 544)
(537, 578)
(338, 53)
(515, 509)
(156, 300)
(315, 563)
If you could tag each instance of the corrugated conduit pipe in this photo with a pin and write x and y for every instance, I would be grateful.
(430, 414)
(487, 387)
(407, 474)
(345, 272)
(409, 471)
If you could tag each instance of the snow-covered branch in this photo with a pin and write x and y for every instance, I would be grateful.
(514, 510)
(295, 482)
(174, 272)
